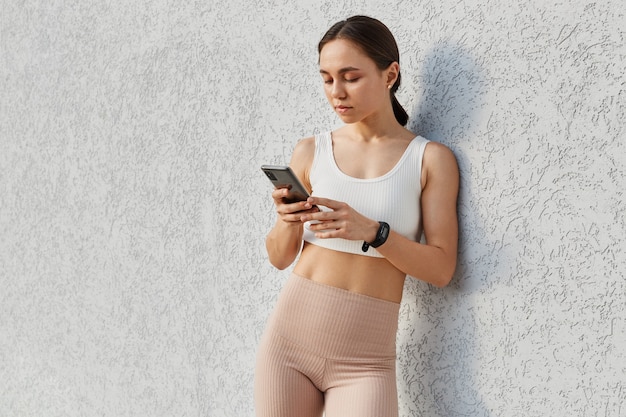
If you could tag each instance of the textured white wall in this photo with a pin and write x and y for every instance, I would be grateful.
(133, 278)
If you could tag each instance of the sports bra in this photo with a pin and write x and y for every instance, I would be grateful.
(393, 197)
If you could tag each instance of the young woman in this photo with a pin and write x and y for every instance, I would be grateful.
(330, 343)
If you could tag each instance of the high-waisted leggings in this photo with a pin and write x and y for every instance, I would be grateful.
(327, 350)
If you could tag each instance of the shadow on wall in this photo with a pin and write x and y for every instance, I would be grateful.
(453, 89)
(437, 351)
(452, 93)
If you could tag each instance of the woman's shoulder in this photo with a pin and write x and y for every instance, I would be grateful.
(305, 146)
(302, 157)
(437, 151)
(439, 160)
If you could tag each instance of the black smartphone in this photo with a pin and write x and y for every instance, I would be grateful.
(283, 177)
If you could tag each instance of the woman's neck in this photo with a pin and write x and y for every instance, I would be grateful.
(364, 131)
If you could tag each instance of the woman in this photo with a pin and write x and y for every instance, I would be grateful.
(330, 343)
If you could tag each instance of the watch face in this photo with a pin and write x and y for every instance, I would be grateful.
(382, 235)
(384, 231)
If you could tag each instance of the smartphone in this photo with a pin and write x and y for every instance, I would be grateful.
(283, 177)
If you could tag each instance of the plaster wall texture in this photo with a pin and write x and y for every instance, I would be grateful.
(133, 276)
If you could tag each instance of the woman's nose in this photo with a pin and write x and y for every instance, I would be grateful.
(337, 90)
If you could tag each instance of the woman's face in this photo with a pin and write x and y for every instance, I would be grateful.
(354, 86)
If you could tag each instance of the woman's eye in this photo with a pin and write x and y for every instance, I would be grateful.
(352, 80)
(328, 81)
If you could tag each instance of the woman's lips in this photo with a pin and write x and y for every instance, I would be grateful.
(342, 109)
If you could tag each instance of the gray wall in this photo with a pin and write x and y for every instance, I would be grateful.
(133, 277)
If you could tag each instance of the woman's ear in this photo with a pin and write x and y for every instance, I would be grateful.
(392, 72)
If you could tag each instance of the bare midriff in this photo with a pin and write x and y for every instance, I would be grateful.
(374, 277)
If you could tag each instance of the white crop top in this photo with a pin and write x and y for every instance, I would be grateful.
(393, 197)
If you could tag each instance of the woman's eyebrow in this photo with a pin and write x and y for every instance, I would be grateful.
(341, 71)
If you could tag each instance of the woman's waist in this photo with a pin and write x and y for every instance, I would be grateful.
(333, 322)
(374, 277)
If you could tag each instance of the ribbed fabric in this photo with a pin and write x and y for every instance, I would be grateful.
(393, 197)
(327, 349)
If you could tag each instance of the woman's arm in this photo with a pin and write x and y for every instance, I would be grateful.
(284, 241)
(433, 262)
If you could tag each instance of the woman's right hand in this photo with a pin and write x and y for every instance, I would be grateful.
(284, 241)
(291, 213)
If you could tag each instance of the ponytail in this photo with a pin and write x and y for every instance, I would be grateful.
(401, 115)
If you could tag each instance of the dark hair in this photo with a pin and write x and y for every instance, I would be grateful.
(377, 42)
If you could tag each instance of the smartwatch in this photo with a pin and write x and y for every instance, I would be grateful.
(381, 237)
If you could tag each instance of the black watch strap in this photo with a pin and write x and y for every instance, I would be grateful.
(381, 237)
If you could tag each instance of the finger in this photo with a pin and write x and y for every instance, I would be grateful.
(301, 214)
(299, 207)
(280, 193)
(290, 218)
(327, 233)
(290, 214)
(318, 215)
(327, 202)
(324, 226)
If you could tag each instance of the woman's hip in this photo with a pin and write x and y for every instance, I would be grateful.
(333, 322)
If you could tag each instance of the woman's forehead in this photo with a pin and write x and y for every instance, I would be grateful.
(340, 53)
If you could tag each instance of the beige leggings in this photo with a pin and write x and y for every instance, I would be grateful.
(327, 350)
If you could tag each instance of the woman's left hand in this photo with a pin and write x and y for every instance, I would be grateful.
(341, 221)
